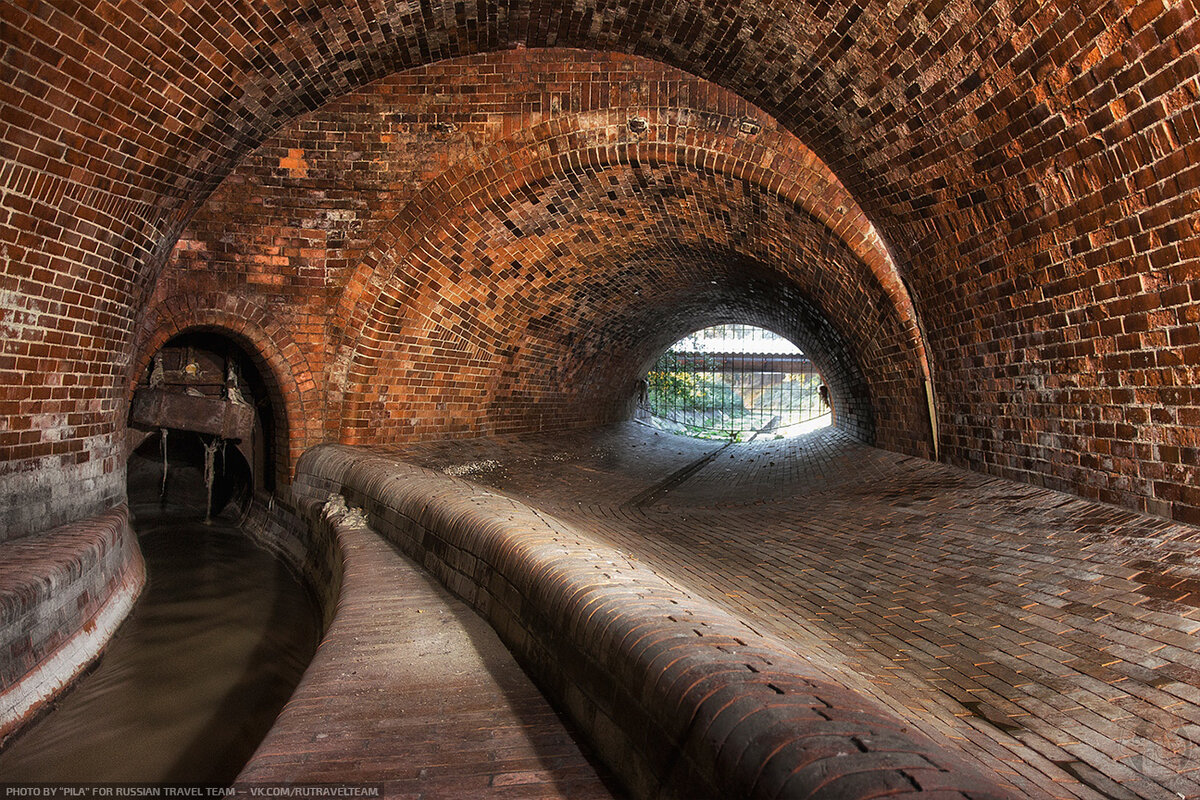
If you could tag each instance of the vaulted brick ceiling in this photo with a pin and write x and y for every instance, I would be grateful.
(601, 270)
(1030, 167)
(585, 210)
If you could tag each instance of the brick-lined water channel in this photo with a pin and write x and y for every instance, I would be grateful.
(195, 676)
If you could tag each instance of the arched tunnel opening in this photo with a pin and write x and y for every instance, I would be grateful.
(224, 629)
(205, 427)
(685, 290)
(735, 382)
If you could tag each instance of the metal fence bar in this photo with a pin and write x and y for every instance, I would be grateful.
(731, 393)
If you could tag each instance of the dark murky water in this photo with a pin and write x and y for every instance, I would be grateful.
(194, 677)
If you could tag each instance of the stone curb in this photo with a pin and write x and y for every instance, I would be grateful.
(63, 593)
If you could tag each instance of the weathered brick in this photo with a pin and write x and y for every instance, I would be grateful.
(62, 594)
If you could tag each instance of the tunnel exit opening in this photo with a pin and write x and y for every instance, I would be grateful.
(735, 382)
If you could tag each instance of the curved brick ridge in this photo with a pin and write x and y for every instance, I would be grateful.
(679, 697)
(62, 595)
(460, 720)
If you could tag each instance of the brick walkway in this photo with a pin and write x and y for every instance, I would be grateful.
(412, 691)
(1052, 638)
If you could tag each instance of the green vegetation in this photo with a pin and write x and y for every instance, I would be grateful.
(733, 392)
(673, 391)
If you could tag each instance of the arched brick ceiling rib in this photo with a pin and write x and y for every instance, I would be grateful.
(163, 98)
(703, 138)
(424, 149)
(529, 299)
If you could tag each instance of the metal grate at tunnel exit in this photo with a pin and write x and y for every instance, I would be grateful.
(734, 382)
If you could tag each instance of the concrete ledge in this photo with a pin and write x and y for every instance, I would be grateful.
(63, 593)
(681, 699)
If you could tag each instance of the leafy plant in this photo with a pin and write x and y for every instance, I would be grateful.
(675, 386)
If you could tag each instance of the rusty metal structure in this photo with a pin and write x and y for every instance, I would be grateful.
(203, 386)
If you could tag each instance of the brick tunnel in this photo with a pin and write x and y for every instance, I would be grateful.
(459, 234)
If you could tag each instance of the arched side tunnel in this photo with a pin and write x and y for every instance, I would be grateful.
(206, 400)
(284, 378)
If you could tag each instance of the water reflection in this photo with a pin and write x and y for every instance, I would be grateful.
(196, 675)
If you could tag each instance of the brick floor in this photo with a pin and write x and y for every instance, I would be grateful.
(1054, 639)
(411, 690)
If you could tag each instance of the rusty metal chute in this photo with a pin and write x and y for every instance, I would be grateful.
(154, 409)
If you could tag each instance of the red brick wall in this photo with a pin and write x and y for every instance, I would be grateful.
(1055, 248)
(517, 253)
(1030, 166)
